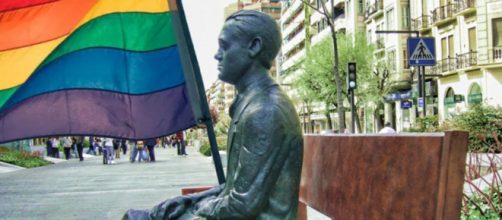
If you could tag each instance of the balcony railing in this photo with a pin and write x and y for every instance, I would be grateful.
(380, 43)
(497, 54)
(443, 12)
(465, 4)
(422, 22)
(372, 8)
(446, 65)
(467, 60)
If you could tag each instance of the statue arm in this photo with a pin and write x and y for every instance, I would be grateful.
(261, 158)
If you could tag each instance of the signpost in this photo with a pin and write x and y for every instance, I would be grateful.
(421, 53)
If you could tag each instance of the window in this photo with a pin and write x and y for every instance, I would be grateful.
(497, 32)
(390, 19)
(444, 52)
(472, 39)
(451, 48)
(475, 96)
(405, 16)
(391, 60)
(447, 47)
(449, 103)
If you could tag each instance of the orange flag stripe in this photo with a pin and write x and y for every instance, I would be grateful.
(37, 24)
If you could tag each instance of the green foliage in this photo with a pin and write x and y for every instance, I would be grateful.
(484, 124)
(426, 124)
(205, 148)
(21, 158)
(483, 207)
(316, 83)
(221, 130)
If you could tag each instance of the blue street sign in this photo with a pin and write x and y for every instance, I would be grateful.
(420, 102)
(421, 51)
(406, 104)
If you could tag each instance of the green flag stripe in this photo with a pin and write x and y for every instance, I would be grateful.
(6, 94)
(133, 31)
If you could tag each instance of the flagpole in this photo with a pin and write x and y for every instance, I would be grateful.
(202, 98)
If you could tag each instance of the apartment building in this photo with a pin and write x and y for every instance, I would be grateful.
(468, 41)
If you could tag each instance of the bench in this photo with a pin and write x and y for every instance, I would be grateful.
(404, 176)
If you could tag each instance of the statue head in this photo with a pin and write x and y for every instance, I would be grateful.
(248, 38)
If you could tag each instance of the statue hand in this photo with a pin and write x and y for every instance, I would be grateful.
(171, 208)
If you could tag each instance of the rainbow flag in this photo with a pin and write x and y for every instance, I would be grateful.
(117, 68)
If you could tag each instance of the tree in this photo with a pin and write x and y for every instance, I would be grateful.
(329, 16)
(318, 83)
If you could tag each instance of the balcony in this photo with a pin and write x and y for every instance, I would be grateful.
(465, 6)
(373, 9)
(467, 60)
(445, 65)
(443, 13)
(497, 54)
(421, 23)
(380, 44)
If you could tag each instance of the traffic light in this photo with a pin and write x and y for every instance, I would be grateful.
(351, 77)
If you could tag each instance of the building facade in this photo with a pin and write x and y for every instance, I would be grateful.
(468, 46)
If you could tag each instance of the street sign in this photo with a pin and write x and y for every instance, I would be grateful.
(421, 51)
(406, 104)
(420, 102)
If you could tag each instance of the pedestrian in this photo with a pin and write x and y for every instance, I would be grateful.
(116, 148)
(79, 141)
(92, 146)
(150, 144)
(141, 151)
(55, 147)
(387, 129)
(180, 143)
(67, 147)
(134, 150)
(108, 145)
(123, 145)
(48, 145)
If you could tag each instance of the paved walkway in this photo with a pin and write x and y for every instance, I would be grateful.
(91, 190)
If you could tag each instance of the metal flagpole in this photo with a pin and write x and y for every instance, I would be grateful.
(202, 98)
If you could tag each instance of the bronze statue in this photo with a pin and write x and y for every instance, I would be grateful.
(264, 139)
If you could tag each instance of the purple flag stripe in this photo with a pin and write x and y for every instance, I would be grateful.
(96, 112)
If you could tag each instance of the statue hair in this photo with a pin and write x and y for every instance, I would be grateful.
(254, 23)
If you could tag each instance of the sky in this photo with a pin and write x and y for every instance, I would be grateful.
(205, 19)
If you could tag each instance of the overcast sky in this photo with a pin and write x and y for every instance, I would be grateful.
(205, 19)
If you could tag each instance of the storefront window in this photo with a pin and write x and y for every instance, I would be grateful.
(449, 103)
(475, 95)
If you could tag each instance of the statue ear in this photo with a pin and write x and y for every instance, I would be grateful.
(255, 46)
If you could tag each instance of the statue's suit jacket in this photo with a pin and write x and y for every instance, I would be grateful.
(264, 157)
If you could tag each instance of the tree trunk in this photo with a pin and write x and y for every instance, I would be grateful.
(338, 83)
(328, 117)
(358, 121)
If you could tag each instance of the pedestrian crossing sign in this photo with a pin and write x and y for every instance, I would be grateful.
(421, 51)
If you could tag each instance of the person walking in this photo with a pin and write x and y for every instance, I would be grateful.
(150, 144)
(116, 148)
(123, 145)
(134, 150)
(48, 145)
(180, 143)
(108, 145)
(79, 141)
(67, 147)
(92, 146)
(55, 147)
